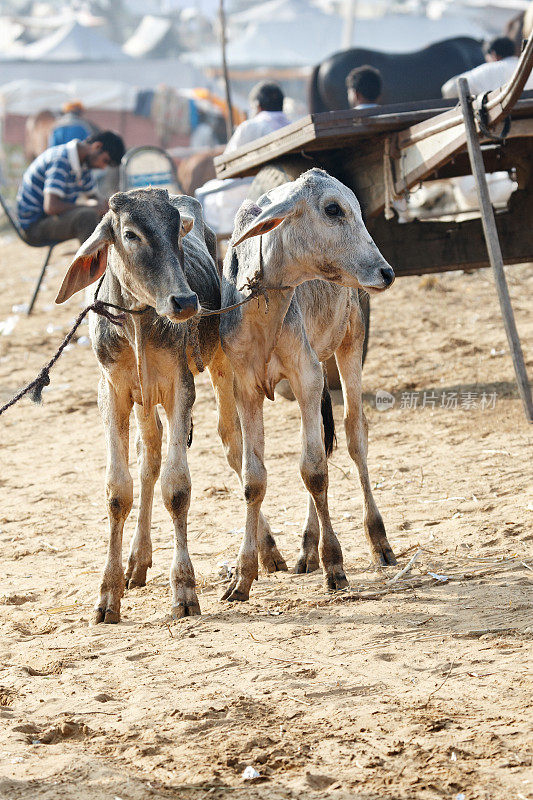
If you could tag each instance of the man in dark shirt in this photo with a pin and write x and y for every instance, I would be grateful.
(363, 85)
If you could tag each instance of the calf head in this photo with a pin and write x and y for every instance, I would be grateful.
(145, 232)
(322, 236)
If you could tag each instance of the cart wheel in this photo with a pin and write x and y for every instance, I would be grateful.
(277, 174)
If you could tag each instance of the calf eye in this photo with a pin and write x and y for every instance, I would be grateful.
(131, 236)
(334, 210)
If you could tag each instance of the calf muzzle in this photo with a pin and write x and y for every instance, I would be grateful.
(178, 307)
(387, 273)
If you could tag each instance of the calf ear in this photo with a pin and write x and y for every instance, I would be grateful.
(89, 262)
(270, 218)
(186, 224)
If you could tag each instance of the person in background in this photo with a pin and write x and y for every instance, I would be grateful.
(266, 102)
(364, 87)
(500, 63)
(71, 125)
(47, 207)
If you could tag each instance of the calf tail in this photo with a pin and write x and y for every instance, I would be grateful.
(330, 439)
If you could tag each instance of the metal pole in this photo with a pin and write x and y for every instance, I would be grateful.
(229, 118)
(493, 246)
(39, 280)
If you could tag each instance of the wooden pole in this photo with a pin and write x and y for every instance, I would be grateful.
(493, 246)
(229, 118)
(348, 27)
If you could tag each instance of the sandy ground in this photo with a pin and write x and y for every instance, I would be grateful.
(413, 689)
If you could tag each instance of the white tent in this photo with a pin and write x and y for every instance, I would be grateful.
(148, 37)
(72, 42)
(274, 11)
(138, 73)
(294, 33)
(297, 42)
(25, 96)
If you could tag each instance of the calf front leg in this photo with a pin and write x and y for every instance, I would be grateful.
(229, 429)
(348, 357)
(148, 442)
(176, 490)
(250, 407)
(115, 410)
(307, 384)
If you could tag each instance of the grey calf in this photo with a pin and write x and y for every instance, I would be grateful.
(159, 256)
(299, 232)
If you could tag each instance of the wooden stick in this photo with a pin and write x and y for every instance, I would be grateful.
(452, 665)
(407, 567)
(229, 118)
(493, 247)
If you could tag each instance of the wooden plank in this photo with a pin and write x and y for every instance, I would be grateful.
(311, 130)
(493, 247)
(334, 129)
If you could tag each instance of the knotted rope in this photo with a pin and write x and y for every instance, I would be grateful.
(388, 179)
(483, 121)
(36, 386)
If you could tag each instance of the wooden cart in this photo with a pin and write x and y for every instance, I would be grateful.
(384, 153)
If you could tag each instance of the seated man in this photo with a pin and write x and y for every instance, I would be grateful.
(364, 87)
(500, 64)
(266, 102)
(46, 202)
(71, 125)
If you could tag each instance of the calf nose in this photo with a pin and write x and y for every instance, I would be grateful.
(183, 306)
(387, 274)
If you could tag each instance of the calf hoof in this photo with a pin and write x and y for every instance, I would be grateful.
(106, 615)
(186, 610)
(272, 560)
(335, 579)
(135, 574)
(234, 594)
(184, 599)
(307, 563)
(238, 589)
(384, 555)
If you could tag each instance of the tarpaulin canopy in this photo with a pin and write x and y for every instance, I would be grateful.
(149, 35)
(26, 96)
(295, 33)
(72, 42)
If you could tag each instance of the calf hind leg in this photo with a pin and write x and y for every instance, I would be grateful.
(149, 436)
(307, 385)
(250, 406)
(348, 357)
(176, 489)
(115, 412)
(229, 429)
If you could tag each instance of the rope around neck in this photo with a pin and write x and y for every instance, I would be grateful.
(36, 386)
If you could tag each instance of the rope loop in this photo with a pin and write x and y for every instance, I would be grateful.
(36, 386)
(483, 122)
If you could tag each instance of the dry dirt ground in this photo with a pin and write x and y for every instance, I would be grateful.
(418, 688)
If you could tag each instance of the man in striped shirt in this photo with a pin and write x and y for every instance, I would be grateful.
(47, 206)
